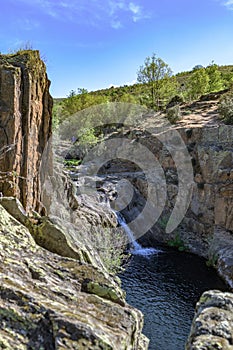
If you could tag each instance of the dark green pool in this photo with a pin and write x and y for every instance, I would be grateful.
(166, 287)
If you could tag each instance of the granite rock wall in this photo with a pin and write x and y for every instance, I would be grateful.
(25, 125)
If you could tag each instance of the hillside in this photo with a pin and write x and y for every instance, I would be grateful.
(135, 89)
(186, 86)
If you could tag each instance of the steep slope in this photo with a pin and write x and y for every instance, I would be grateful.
(25, 125)
(53, 302)
(55, 291)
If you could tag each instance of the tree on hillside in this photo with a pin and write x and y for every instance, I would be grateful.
(227, 77)
(127, 98)
(157, 74)
(198, 83)
(198, 66)
(81, 100)
(75, 101)
(72, 94)
(226, 107)
(215, 78)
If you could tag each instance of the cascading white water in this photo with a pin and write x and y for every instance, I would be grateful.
(136, 248)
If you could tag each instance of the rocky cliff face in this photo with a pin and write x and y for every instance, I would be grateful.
(49, 301)
(210, 210)
(55, 291)
(211, 153)
(25, 125)
(213, 322)
(207, 226)
(209, 215)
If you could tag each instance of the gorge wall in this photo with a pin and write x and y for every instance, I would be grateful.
(206, 228)
(55, 292)
(25, 125)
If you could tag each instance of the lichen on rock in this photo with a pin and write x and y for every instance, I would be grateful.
(46, 261)
(43, 304)
(213, 322)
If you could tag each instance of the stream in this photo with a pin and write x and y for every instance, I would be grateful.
(165, 286)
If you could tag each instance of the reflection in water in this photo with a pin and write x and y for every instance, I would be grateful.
(166, 287)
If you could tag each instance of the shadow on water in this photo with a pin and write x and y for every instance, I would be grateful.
(165, 287)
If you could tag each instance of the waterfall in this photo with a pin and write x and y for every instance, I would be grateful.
(136, 248)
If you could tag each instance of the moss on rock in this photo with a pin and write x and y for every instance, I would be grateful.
(43, 304)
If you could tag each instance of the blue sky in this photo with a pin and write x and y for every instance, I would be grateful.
(94, 44)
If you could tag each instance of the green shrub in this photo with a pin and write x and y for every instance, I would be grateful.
(162, 222)
(187, 112)
(176, 100)
(177, 242)
(173, 114)
(110, 244)
(212, 261)
(72, 162)
(225, 108)
(87, 137)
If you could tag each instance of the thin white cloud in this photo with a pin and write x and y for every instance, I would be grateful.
(115, 13)
(229, 4)
(135, 12)
(28, 24)
(134, 81)
(116, 6)
(136, 9)
(116, 24)
(138, 12)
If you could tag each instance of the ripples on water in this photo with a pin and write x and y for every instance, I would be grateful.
(165, 287)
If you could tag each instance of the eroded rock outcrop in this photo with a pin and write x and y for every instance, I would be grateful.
(25, 125)
(210, 210)
(211, 205)
(55, 291)
(207, 227)
(212, 326)
(53, 302)
(221, 254)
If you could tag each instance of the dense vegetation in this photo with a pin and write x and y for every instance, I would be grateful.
(226, 107)
(156, 87)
